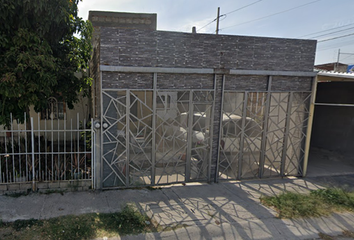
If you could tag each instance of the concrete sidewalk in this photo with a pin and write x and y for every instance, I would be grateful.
(229, 210)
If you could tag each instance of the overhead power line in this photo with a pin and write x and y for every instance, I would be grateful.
(335, 45)
(326, 30)
(223, 15)
(329, 39)
(346, 29)
(287, 10)
(206, 25)
(238, 9)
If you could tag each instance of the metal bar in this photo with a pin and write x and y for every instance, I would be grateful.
(27, 173)
(286, 134)
(18, 154)
(220, 124)
(151, 89)
(78, 145)
(71, 150)
(127, 134)
(309, 126)
(19, 150)
(65, 146)
(58, 140)
(242, 135)
(334, 104)
(189, 137)
(51, 131)
(1, 177)
(33, 171)
(93, 137)
(13, 150)
(105, 68)
(260, 91)
(52, 148)
(153, 150)
(265, 128)
(46, 149)
(272, 73)
(84, 141)
(39, 148)
(5, 177)
(99, 164)
(211, 134)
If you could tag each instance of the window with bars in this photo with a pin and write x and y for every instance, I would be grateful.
(55, 110)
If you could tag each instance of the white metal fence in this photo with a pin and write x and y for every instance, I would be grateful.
(40, 150)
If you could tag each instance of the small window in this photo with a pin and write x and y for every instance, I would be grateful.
(55, 110)
(163, 101)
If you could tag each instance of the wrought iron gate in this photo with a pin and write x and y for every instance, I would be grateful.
(156, 137)
(263, 134)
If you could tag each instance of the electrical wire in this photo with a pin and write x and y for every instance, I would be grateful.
(347, 56)
(330, 39)
(336, 45)
(225, 14)
(243, 7)
(206, 25)
(326, 30)
(254, 20)
(333, 32)
(213, 21)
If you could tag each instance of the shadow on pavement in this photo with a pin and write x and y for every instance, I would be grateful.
(233, 211)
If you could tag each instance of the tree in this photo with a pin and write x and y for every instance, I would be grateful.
(42, 44)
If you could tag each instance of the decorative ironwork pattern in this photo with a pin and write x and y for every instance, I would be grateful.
(182, 135)
(297, 134)
(275, 134)
(149, 141)
(201, 139)
(152, 137)
(253, 128)
(114, 138)
(140, 138)
(263, 134)
(230, 135)
(171, 136)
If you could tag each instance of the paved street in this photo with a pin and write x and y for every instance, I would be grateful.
(229, 210)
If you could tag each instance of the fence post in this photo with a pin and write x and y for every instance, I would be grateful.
(34, 188)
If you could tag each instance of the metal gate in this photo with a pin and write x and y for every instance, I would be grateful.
(263, 134)
(152, 137)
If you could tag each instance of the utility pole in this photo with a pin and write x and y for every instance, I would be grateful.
(217, 21)
(337, 64)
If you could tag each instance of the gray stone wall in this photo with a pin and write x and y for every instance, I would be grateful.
(297, 84)
(246, 83)
(115, 80)
(127, 47)
(185, 81)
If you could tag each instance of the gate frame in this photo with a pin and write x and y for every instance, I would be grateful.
(221, 72)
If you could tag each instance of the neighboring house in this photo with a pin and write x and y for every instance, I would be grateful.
(58, 114)
(178, 107)
(334, 66)
(55, 147)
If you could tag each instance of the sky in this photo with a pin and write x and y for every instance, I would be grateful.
(331, 22)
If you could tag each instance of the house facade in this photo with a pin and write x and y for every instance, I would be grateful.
(179, 107)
